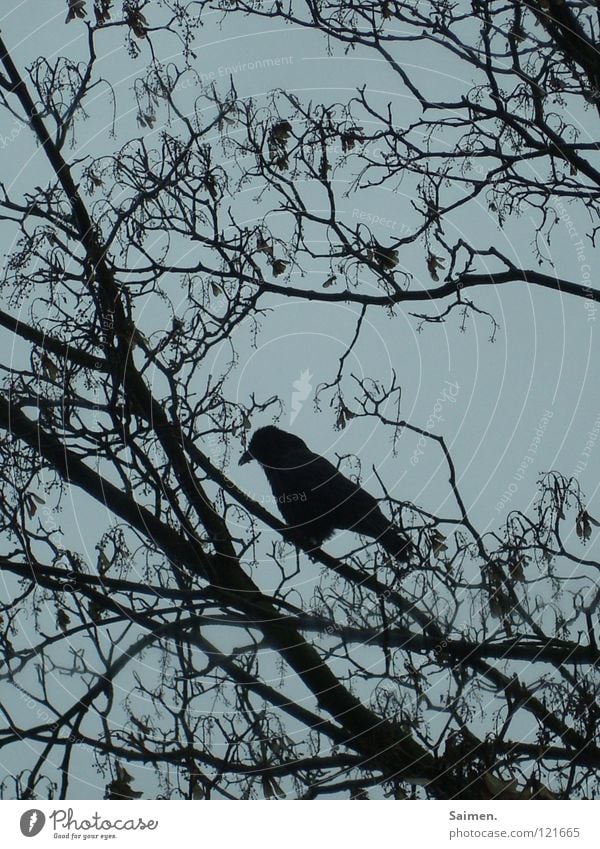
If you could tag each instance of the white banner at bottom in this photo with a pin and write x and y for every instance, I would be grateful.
(316, 825)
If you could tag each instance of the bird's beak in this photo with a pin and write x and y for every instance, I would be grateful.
(245, 458)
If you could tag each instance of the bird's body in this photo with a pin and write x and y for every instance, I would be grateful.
(315, 498)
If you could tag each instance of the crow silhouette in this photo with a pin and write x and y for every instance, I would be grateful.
(314, 498)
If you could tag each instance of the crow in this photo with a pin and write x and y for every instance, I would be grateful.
(314, 498)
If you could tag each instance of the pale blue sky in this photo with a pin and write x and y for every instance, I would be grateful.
(542, 359)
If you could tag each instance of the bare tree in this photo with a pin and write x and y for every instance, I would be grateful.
(169, 652)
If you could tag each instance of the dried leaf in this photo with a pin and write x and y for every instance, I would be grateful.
(386, 258)
(556, 84)
(500, 788)
(280, 132)
(137, 22)
(267, 787)
(96, 612)
(279, 266)
(211, 185)
(263, 247)
(499, 605)
(122, 773)
(542, 792)
(30, 505)
(438, 542)
(433, 263)
(517, 33)
(359, 793)
(102, 11)
(583, 525)
(121, 788)
(197, 791)
(62, 619)
(351, 137)
(103, 563)
(433, 210)
(516, 568)
(76, 10)
(50, 370)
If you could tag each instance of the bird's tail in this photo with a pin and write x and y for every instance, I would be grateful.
(396, 544)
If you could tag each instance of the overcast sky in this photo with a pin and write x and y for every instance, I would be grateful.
(509, 410)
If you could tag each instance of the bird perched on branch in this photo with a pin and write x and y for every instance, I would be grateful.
(314, 498)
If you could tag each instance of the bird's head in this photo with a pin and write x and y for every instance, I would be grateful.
(270, 446)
